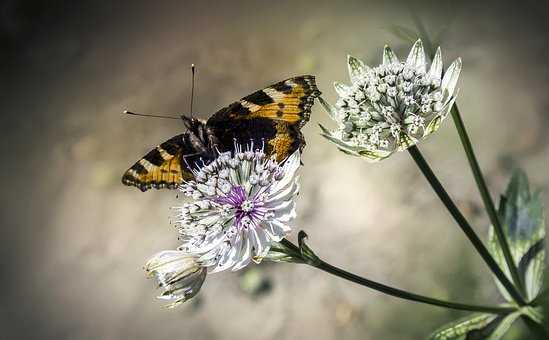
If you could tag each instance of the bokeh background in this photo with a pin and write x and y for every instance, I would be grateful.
(74, 239)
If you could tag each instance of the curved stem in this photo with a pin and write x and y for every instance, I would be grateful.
(463, 224)
(407, 295)
(394, 291)
(486, 197)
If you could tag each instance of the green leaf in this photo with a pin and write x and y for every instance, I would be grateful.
(521, 214)
(476, 326)
(461, 327)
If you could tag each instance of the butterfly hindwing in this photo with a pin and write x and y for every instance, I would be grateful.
(272, 116)
(163, 167)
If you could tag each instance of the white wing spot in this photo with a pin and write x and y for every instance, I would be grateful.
(165, 155)
(147, 165)
(274, 94)
(250, 106)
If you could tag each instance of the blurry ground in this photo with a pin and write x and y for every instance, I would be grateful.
(74, 239)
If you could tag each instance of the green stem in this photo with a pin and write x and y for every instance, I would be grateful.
(317, 263)
(463, 224)
(407, 295)
(486, 197)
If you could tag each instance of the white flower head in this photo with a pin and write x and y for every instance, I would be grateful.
(392, 106)
(242, 203)
(178, 274)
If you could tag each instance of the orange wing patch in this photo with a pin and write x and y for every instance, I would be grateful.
(289, 101)
(282, 143)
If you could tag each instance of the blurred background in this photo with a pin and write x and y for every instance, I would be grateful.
(74, 239)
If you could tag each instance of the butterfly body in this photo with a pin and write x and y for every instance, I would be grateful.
(271, 118)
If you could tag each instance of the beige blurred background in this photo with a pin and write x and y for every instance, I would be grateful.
(74, 239)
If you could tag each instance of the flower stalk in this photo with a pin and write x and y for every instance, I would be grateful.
(477, 173)
(464, 225)
(486, 197)
(399, 293)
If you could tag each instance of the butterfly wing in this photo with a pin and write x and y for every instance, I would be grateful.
(164, 166)
(272, 117)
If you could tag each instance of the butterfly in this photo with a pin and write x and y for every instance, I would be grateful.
(272, 117)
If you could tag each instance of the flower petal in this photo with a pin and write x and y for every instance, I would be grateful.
(227, 259)
(389, 57)
(266, 241)
(435, 72)
(285, 212)
(243, 254)
(448, 106)
(356, 68)
(279, 229)
(374, 156)
(416, 58)
(246, 253)
(332, 111)
(451, 76)
(283, 196)
(341, 89)
(290, 167)
(261, 241)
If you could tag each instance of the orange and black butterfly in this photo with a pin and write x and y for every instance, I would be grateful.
(272, 117)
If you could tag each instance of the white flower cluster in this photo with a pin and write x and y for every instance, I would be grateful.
(392, 106)
(242, 203)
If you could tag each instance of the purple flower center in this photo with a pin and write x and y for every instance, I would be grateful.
(248, 211)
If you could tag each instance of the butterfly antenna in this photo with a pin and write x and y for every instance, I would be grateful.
(146, 115)
(192, 88)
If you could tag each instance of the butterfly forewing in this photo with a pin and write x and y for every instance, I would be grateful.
(272, 117)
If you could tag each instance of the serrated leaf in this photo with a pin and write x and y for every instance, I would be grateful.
(531, 268)
(461, 327)
(477, 326)
(521, 214)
